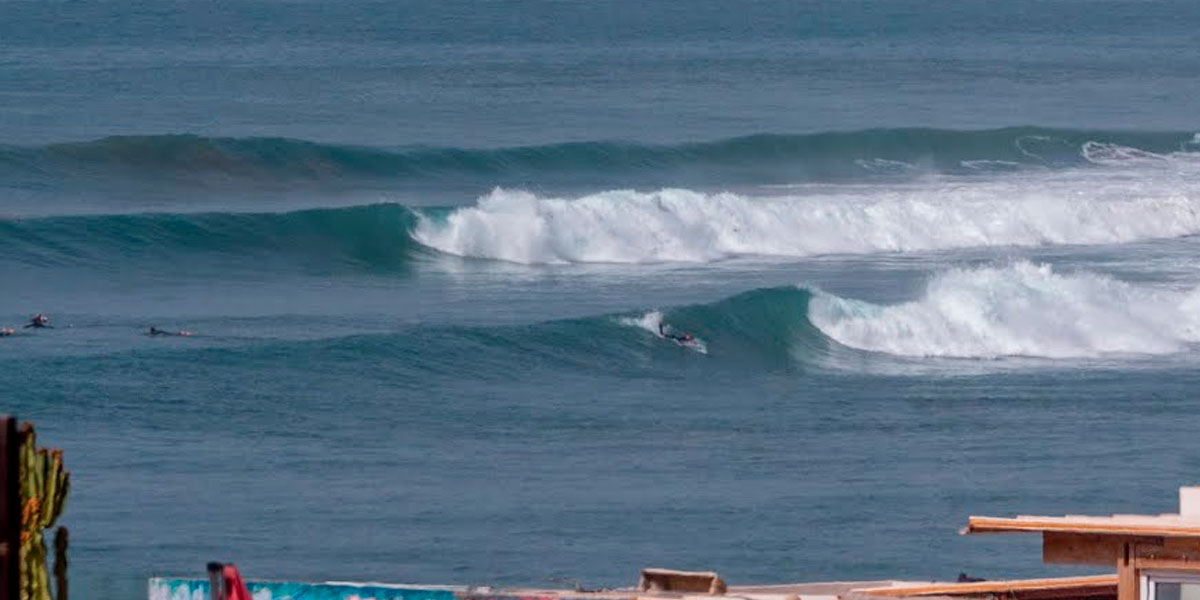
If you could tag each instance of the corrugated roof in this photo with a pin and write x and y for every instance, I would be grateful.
(1168, 525)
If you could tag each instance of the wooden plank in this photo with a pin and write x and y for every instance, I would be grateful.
(994, 587)
(1169, 548)
(1069, 548)
(1171, 564)
(216, 581)
(1113, 527)
(10, 509)
(1127, 576)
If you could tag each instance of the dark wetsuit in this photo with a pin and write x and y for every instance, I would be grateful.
(154, 331)
(679, 338)
(39, 321)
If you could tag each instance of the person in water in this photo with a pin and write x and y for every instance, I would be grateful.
(155, 331)
(6, 331)
(39, 321)
(686, 337)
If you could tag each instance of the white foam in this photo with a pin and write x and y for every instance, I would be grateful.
(649, 321)
(1018, 310)
(989, 165)
(1107, 154)
(1086, 206)
(883, 165)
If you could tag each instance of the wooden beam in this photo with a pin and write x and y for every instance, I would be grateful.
(1067, 548)
(1127, 575)
(10, 509)
(995, 587)
(1169, 564)
(1183, 549)
(1146, 527)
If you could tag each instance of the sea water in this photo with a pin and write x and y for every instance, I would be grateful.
(942, 257)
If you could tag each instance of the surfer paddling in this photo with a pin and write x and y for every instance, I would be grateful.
(155, 331)
(39, 321)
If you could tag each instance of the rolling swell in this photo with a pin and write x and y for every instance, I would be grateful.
(990, 312)
(373, 236)
(756, 330)
(763, 158)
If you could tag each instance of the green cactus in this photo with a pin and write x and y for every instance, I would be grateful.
(44, 486)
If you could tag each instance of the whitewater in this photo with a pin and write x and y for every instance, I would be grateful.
(1023, 309)
(1126, 203)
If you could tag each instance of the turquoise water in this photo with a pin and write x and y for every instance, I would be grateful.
(941, 256)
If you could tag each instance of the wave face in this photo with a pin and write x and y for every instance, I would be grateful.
(1019, 310)
(373, 236)
(991, 312)
(758, 329)
(761, 158)
(627, 226)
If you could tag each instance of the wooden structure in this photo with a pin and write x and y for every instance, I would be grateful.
(10, 509)
(1093, 586)
(667, 580)
(216, 581)
(1157, 557)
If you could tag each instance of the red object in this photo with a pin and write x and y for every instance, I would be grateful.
(235, 588)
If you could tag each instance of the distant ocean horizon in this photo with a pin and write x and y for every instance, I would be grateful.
(939, 258)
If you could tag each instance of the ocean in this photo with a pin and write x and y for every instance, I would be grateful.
(940, 258)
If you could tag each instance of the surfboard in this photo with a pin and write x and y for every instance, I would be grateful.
(694, 344)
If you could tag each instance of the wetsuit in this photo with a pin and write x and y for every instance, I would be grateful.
(39, 321)
(679, 338)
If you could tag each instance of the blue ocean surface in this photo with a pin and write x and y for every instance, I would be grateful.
(939, 257)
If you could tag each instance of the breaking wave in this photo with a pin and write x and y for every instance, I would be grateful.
(1019, 310)
(991, 312)
(625, 226)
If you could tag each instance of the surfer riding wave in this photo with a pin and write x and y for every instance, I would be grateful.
(681, 338)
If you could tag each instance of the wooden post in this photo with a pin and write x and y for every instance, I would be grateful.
(216, 581)
(1127, 574)
(10, 509)
(60, 563)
